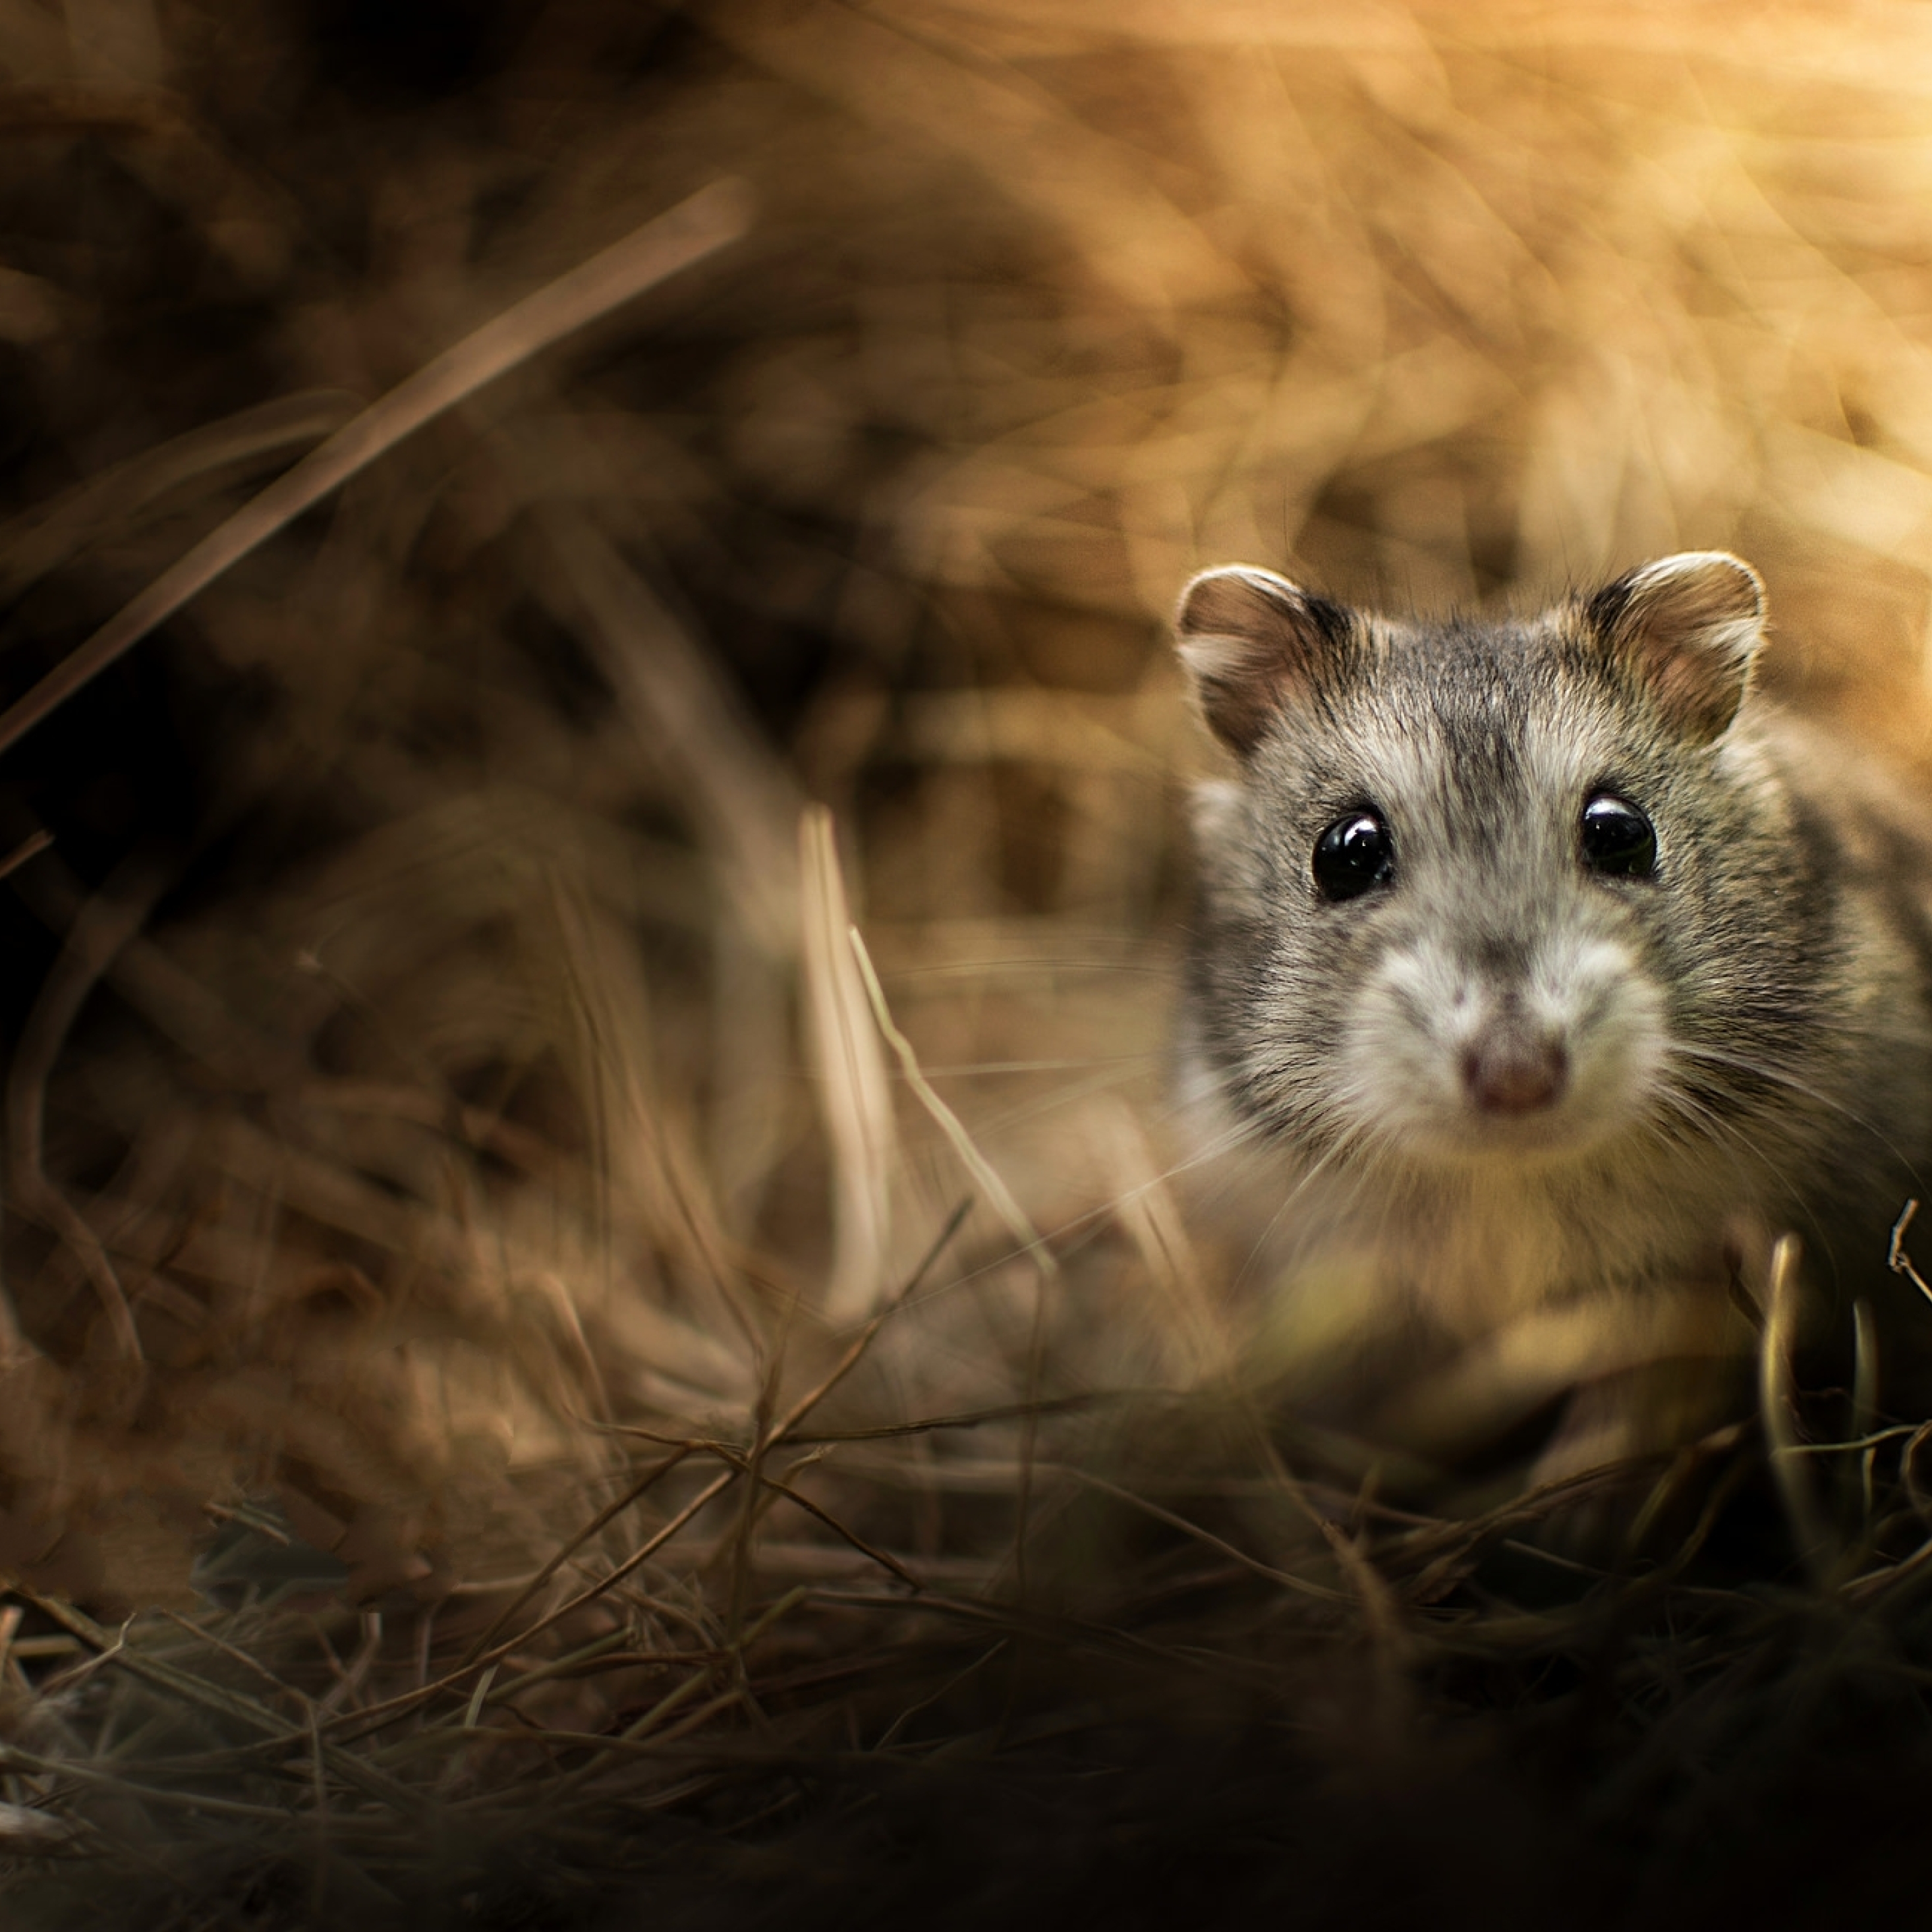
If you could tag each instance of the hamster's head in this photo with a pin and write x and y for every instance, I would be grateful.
(1484, 893)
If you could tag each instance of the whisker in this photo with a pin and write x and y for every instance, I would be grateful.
(969, 1069)
(1778, 1077)
(958, 968)
(1345, 1142)
(1727, 1135)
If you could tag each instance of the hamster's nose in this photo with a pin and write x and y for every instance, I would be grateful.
(1507, 1071)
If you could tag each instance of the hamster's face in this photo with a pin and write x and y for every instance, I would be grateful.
(1477, 896)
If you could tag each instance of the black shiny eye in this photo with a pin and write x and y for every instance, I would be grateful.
(1354, 855)
(1617, 838)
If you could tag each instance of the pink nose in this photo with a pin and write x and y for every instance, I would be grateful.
(1507, 1073)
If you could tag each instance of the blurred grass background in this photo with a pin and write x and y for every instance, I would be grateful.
(431, 1046)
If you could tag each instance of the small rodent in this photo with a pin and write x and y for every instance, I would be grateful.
(1543, 971)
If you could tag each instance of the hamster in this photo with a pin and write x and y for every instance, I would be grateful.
(1542, 972)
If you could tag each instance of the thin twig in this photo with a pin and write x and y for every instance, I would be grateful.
(377, 1716)
(1898, 1260)
(642, 1487)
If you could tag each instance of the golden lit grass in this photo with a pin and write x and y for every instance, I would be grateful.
(664, 1380)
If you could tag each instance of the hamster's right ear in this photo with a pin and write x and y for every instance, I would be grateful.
(1254, 643)
(1690, 627)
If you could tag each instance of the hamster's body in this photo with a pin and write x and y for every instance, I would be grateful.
(1540, 975)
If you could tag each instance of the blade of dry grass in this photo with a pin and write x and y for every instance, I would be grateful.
(31, 846)
(854, 1096)
(48, 538)
(986, 1177)
(1046, 1269)
(1777, 1409)
(708, 220)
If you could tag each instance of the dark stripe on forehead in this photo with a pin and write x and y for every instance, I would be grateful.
(1479, 730)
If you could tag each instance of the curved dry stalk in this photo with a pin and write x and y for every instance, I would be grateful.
(35, 545)
(854, 1095)
(107, 923)
(696, 227)
(1777, 1404)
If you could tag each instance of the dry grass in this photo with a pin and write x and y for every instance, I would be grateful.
(593, 1394)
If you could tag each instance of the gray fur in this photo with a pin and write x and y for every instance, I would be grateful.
(1747, 1035)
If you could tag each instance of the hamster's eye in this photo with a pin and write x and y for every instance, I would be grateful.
(1617, 839)
(1353, 856)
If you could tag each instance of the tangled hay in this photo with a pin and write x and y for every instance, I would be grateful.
(543, 1385)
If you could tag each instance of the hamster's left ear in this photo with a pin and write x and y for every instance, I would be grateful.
(1689, 627)
(1256, 646)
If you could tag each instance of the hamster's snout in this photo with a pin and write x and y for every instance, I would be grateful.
(1457, 1052)
(1513, 1069)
